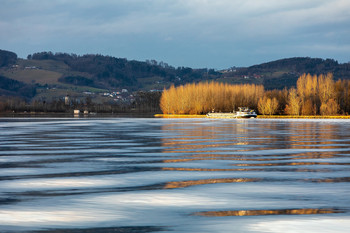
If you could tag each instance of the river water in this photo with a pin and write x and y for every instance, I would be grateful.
(174, 175)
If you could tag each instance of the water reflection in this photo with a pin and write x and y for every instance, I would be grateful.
(289, 164)
(331, 180)
(128, 229)
(249, 146)
(281, 169)
(184, 184)
(267, 212)
(156, 172)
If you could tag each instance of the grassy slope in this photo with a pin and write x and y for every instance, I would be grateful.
(47, 72)
(33, 76)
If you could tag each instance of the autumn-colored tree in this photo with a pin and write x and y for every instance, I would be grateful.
(313, 95)
(307, 86)
(329, 108)
(314, 92)
(342, 90)
(199, 98)
(325, 87)
(308, 108)
(165, 102)
(267, 106)
(293, 104)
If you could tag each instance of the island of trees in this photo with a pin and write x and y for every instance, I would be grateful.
(313, 95)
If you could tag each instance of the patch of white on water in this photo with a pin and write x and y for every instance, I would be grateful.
(56, 217)
(312, 225)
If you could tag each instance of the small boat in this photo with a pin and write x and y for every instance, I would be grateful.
(243, 112)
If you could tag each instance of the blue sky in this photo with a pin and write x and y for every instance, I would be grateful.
(194, 33)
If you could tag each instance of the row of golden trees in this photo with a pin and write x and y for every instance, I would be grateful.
(313, 95)
(199, 98)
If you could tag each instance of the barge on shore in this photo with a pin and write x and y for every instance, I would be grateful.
(243, 112)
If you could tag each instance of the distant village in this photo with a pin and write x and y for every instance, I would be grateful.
(118, 96)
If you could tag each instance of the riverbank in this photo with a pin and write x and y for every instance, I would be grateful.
(259, 116)
(150, 115)
(71, 115)
(178, 116)
(301, 117)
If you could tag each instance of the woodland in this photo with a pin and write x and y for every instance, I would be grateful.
(313, 95)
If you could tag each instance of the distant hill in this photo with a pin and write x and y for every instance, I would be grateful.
(47, 75)
(112, 73)
(7, 58)
(285, 72)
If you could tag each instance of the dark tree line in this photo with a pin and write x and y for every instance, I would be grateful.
(145, 102)
(7, 58)
(10, 87)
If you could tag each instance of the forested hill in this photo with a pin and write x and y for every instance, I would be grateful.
(284, 73)
(7, 58)
(100, 73)
(306, 65)
(110, 72)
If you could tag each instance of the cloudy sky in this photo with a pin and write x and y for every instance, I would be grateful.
(195, 33)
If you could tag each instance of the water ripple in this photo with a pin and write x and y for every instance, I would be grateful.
(94, 175)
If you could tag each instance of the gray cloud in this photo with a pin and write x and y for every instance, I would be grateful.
(195, 33)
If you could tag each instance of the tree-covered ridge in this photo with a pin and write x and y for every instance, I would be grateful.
(114, 72)
(285, 72)
(7, 58)
(300, 64)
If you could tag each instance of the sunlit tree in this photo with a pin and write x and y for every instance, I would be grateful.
(267, 106)
(199, 98)
(293, 103)
(329, 108)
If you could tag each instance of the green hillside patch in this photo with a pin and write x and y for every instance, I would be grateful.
(51, 65)
(32, 75)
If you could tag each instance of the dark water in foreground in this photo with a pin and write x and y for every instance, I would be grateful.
(174, 175)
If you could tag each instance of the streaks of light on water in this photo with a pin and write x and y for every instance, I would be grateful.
(340, 224)
(125, 172)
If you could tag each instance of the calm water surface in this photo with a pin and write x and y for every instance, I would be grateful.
(174, 175)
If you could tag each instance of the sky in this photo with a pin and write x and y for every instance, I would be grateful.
(193, 33)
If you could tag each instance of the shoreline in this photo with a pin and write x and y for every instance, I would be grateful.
(72, 115)
(151, 115)
(301, 117)
(259, 116)
(178, 116)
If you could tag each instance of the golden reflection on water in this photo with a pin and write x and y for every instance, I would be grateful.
(187, 183)
(267, 212)
(207, 169)
(225, 141)
(310, 134)
(194, 137)
(288, 164)
(242, 169)
(239, 136)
